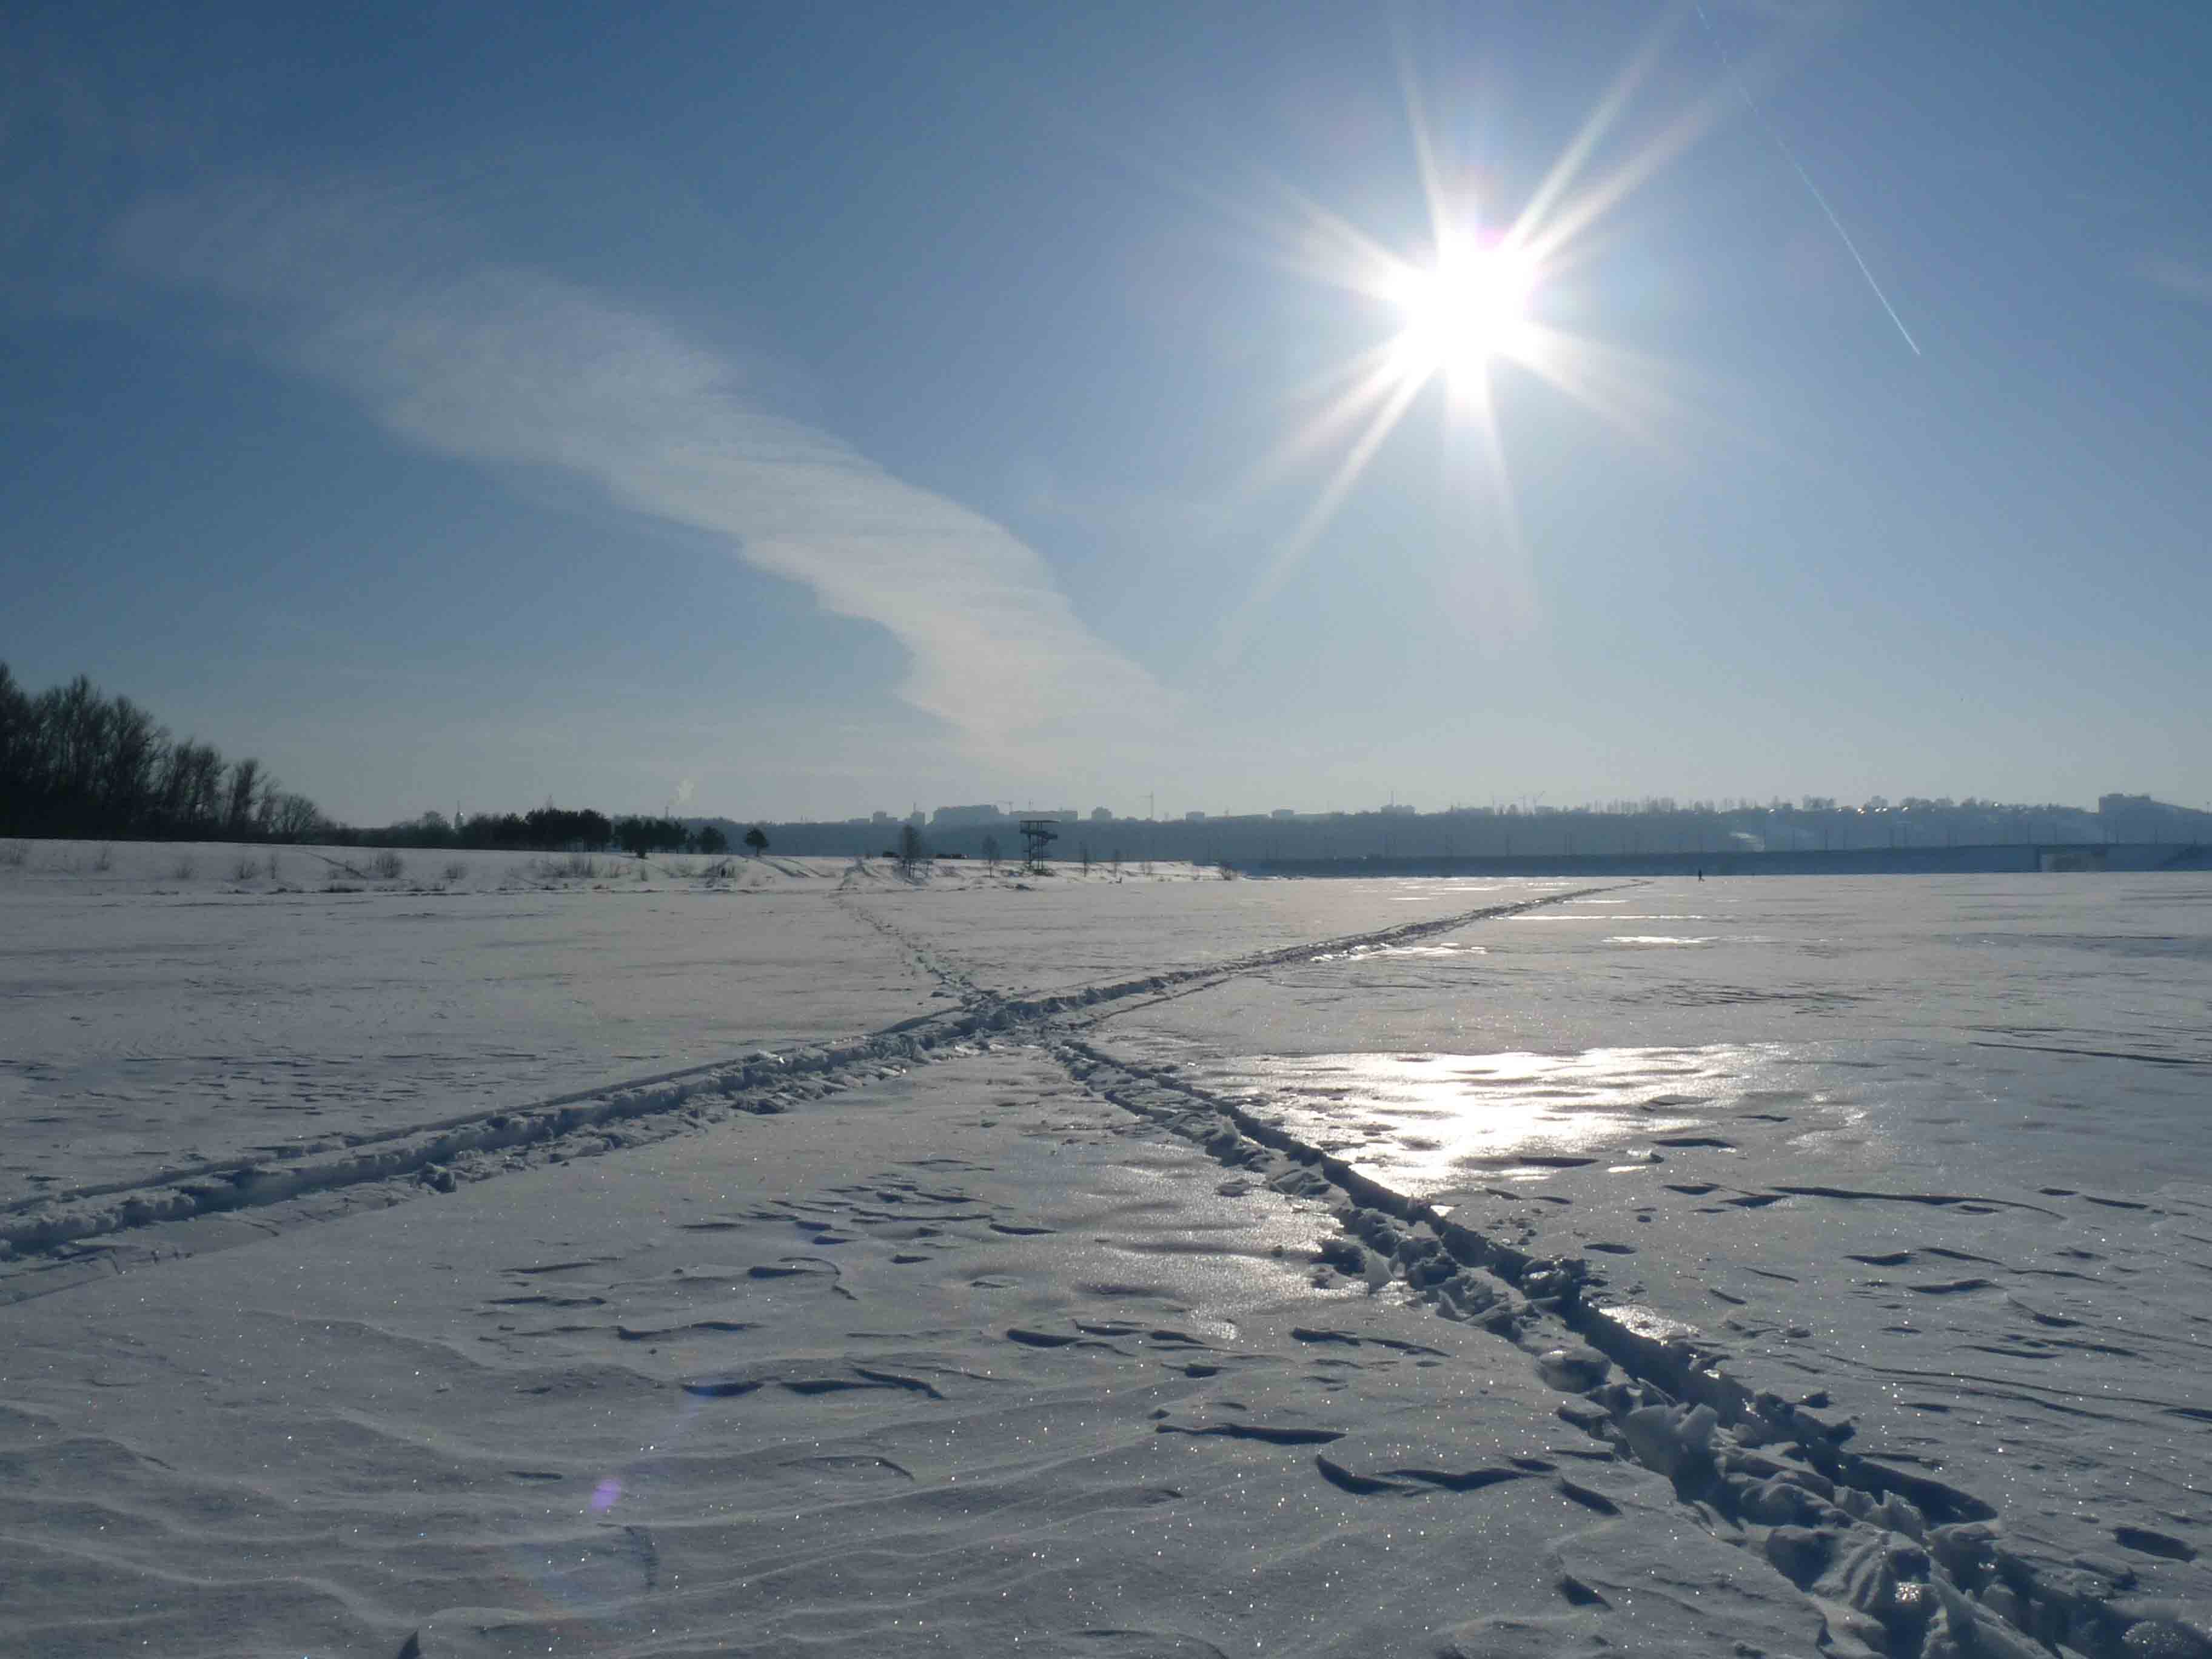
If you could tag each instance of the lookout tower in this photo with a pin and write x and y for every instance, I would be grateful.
(1037, 834)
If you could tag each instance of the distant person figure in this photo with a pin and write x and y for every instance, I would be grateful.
(1701, 874)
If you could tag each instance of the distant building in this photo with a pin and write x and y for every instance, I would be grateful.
(880, 817)
(1102, 815)
(1194, 818)
(1284, 812)
(948, 818)
(2139, 817)
(1398, 810)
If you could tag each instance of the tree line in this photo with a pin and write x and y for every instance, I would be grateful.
(75, 762)
(551, 828)
(547, 828)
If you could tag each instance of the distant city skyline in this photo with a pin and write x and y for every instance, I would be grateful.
(977, 815)
(876, 404)
(77, 763)
(2120, 831)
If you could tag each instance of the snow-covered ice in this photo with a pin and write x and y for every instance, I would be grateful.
(1167, 1266)
(157, 1021)
(1922, 1156)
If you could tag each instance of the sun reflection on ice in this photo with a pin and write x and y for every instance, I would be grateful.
(1364, 952)
(1425, 1124)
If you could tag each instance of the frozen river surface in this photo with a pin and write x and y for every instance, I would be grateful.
(1924, 1157)
(2063, 1025)
(1929, 1156)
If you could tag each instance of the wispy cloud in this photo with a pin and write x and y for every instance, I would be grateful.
(371, 290)
(2189, 279)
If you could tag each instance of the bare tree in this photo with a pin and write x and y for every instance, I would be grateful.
(74, 762)
(134, 749)
(204, 785)
(244, 786)
(80, 721)
(294, 818)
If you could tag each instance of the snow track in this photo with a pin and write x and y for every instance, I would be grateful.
(51, 1241)
(1900, 1564)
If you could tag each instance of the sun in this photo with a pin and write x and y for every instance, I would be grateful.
(1465, 311)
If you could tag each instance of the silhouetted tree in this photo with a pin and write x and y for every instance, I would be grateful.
(712, 839)
(295, 817)
(244, 788)
(75, 762)
(642, 836)
(126, 784)
(552, 829)
(911, 850)
(756, 838)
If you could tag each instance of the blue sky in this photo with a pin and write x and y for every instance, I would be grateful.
(793, 414)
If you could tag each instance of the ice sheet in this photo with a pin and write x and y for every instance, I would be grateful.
(955, 1365)
(152, 1023)
(1929, 1150)
(1919, 1153)
(1057, 933)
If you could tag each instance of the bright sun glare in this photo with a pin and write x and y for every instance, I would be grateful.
(1474, 306)
(1471, 306)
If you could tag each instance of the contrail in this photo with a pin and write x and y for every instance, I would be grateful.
(1790, 156)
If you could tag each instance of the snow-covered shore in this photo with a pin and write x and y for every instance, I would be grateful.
(1078, 1268)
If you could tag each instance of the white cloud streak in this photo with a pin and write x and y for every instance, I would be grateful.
(2188, 279)
(362, 289)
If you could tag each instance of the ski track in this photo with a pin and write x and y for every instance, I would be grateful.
(1900, 1563)
(52, 1240)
